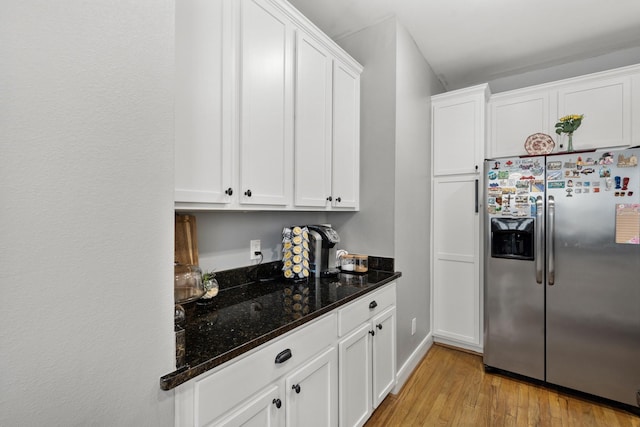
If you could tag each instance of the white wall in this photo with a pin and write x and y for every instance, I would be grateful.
(86, 166)
(397, 84)
(223, 237)
(370, 231)
(415, 83)
(609, 61)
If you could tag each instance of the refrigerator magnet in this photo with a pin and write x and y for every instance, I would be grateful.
(627, 162)
(555, 184)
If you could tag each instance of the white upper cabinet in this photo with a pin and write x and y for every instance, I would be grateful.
(345, 183)
(313, 123)
(266, 104)
(458, 123)
(606, 99)
(327, 129)
(515, 116)
(203, 144)
(262, 99)
(606, 105)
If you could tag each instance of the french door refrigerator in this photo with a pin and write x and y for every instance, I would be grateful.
(562, 270)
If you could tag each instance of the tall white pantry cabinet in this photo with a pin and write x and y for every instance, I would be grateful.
(458, 129)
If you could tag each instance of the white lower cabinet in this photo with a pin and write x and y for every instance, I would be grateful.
(308, 397)
(256, 389)
(312, 392)
(333, 371)
(265, 410)
(367, 356)
(384, 354)
(355, 377)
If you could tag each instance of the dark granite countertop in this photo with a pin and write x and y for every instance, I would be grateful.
(243, 317)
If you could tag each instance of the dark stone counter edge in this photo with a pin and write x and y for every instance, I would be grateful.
(183, 375)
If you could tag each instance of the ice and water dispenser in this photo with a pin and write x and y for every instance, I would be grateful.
(512, 238)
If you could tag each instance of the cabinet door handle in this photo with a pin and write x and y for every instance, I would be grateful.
(373, 305)
(338, 199)
(283, 356)
(329, 199)
(277, 402)
(379, 326)
(476, 203)
(247, 193)
(228, 191)
(372, 332)
(296, 387)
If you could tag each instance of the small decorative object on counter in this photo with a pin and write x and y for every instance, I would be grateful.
(569, 124)
(210, 285)
(188, 284)
(295, 253)
(354, 263)
(187, 287)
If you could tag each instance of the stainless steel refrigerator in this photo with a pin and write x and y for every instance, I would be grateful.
(562, 270)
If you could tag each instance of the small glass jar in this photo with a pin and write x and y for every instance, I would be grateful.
(354, 263)
(187, 284)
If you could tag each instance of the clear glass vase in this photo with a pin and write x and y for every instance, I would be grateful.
(570, 143)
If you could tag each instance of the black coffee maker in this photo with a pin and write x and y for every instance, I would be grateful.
(322, 250)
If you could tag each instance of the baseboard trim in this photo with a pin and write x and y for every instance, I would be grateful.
(412, 362)
(458, 345)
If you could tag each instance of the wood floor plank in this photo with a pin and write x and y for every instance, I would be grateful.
(450, 388)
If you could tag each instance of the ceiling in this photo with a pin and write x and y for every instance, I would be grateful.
(475, 41)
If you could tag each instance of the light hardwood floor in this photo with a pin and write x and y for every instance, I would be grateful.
(450, 388)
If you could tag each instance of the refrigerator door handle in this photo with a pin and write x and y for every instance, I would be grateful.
(551, 274)
(539, 242)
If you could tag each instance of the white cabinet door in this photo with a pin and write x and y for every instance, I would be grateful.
(606, 105)
(355, 377)
(266, 104)
(313, 123)
(458, 123)
(345, 183)
(513, 117)
(203, 142)
(265, 410)
(384, 354)
(312, 392)
(456, 260)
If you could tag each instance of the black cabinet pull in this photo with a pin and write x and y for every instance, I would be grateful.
(372, 333)
(476, 195)
(283, 356)
(379, 326)
(338, 199)
(228, 191)
(373, 305)
(247, 193)
(329, 198)
(277, 402)
(296, 387)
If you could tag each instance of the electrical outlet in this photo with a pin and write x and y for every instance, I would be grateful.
(413, 326)
(254, 246)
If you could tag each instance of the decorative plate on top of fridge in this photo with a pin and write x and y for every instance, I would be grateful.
(539, 144)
